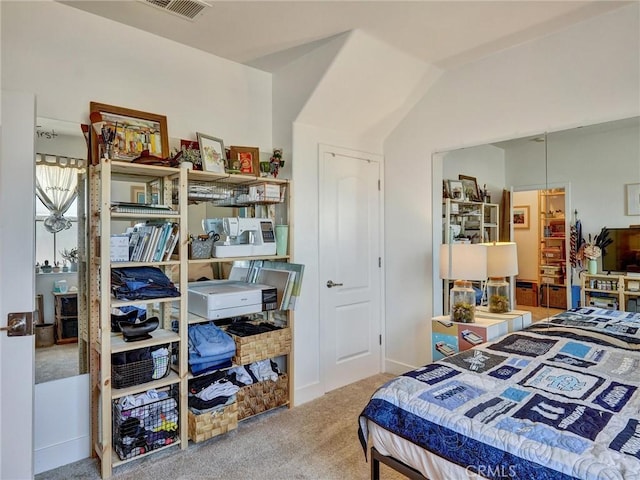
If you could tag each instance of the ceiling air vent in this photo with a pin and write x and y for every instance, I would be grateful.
(188, 9)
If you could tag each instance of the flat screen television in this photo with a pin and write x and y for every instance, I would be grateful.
(623, 255)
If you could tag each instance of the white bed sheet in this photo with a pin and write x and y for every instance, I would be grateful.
(428, 464)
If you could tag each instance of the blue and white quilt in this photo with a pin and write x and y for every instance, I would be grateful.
(559, 400)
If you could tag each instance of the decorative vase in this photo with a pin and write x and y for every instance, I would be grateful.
(73, 267)
(592, 266)
(498, 295)
(462, 306)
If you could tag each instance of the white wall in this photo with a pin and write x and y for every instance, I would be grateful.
(527, 239)
(583, 75)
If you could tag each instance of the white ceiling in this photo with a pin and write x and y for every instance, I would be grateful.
(268, 34)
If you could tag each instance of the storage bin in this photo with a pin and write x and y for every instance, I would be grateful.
(527, 293)
(207, 425)
(139, 366)
(44, 335)
(201, 246)
(254, 348)
(148, 425)
(69, 328)
(262, 396)
(554, 296)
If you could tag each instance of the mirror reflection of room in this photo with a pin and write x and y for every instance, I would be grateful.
(561, 203)
(60, 176)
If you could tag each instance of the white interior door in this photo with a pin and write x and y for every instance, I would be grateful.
(350, 258)
(17, 283)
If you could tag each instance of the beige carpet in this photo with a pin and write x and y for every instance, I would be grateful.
(56, 362)
(315, 441)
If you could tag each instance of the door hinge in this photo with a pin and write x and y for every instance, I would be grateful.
(379, 185)
(379, 262)
(380, 339)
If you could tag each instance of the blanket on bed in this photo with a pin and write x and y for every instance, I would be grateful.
(559, 400)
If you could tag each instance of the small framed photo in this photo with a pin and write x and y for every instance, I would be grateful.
(138, 194)
(470, 186)
(521, 216)
(456, 190)
(244, 160)
(211, 153)
(445, 189)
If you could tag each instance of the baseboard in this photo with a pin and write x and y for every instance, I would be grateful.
(55, 456)
(397, 368)
(308, 393)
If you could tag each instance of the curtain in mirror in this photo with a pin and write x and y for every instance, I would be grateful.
(57, 187)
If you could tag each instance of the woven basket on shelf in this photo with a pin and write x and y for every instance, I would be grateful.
(207, 425)
(263, 396)
(254, 348)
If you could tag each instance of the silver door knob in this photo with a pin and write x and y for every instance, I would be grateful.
(330, 284)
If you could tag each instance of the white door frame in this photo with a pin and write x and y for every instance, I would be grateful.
(17, 282)
(379, 158)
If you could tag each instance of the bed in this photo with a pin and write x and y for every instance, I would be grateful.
(558, 400)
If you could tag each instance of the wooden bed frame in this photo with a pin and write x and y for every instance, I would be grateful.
(397, 465)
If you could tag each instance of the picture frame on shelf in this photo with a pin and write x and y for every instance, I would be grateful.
(211, 153)
(470, 186)
(138, 195)
(445, 189)
(520, 217)
(128, 133)
(244, 160)
(456, 190)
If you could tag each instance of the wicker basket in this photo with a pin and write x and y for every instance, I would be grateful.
(263, 396)
(207, 425)
(254, 348)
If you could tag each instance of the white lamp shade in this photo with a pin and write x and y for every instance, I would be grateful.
(463, 261)
(502, 259)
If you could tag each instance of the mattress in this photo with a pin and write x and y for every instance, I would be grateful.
(559, 400)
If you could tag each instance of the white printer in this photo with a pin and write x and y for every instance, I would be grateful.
(215, 299)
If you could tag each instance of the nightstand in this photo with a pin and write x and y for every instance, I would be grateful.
(448, 338)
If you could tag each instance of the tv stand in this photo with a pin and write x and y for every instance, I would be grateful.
(611, 291)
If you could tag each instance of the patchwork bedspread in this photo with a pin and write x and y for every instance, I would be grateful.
(559, 400)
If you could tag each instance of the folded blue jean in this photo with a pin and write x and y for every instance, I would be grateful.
(140, 283)
(208, 340)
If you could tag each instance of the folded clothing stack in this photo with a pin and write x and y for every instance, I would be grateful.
(210, 348)
(211, 393)
(254, 373)
(245, 329)
(140, 283)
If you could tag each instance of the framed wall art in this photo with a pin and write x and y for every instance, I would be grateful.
(120, 133)
(521, 216)
(211, 153)
(633, 198)
(244, 160)
(470, 187)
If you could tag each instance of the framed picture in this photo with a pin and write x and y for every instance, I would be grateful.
(633, 198)
(211, 153)
(470, 186)
(445, 189)
(456, 191)
(123, 134)
(245, 160)
(138, 195)
(521, 216)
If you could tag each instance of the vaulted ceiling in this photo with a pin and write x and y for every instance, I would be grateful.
(269, 34)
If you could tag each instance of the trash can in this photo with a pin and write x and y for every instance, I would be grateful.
(575, 296)
(44, 335)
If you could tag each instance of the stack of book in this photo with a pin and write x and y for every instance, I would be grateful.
(152, 241)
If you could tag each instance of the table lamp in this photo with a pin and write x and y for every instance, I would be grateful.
(463, 262)
(502, 262)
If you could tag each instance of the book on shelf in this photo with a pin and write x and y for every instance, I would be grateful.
(152, 241)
